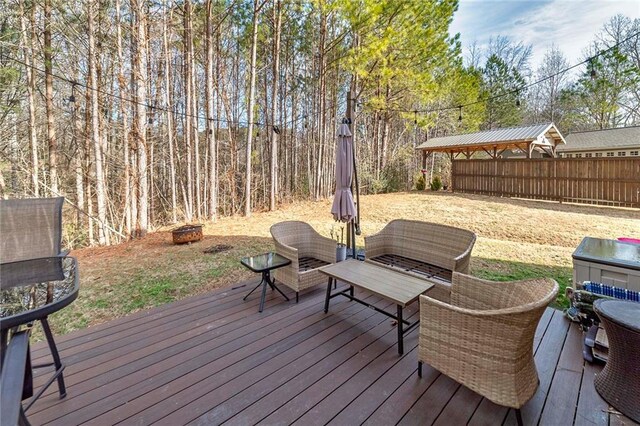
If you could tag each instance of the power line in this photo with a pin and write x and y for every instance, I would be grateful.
(516, 90)
(74, 83)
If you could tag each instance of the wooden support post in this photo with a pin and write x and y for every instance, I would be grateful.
(425, 155)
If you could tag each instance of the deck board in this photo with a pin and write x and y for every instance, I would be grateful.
(214, 359)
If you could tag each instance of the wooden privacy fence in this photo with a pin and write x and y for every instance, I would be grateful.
(609, 181)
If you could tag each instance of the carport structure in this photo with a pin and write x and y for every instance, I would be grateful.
(542, 138)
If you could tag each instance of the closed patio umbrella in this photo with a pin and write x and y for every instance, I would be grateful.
(343, 208)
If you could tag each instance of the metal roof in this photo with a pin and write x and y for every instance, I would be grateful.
(619, 138)
(496, 137)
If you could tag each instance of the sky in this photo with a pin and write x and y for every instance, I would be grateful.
(569, 24)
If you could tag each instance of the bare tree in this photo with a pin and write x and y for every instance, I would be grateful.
(139, 75)
(169, 108)
(210, 129)
(277, 19)
(28, 39)
(51, 125)
(252, 101)
(95, 129)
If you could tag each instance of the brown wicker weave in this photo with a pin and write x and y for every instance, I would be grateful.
(483, 339)
(296, 240)
(619, 381)
(440, 245)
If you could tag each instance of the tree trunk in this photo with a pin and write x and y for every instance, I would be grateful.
(188, 107)
(169, 114)
(277, 19)
(252, 100)
(28, 39)
(95, 128)
(211, 134)
(51, 129)
(139, 75)
(122, 88)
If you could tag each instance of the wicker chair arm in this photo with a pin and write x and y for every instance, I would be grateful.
(375, 244)
(289, 252)
(463, 261)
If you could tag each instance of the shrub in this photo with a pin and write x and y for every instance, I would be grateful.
(436, 183)
(421, 183)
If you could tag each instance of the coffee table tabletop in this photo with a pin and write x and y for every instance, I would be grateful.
(402, 289)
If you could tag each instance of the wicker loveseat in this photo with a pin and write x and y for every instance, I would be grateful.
(307, 250)
(483, 338)
(427, 250)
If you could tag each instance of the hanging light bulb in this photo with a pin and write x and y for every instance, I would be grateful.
(460, 114)
(518, 99)
(593, 69)
(415, 118)
(72, 98)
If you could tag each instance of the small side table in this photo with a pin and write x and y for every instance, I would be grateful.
(619, 381)
(265, 263)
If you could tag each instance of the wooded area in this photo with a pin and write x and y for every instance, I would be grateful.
(149, 113)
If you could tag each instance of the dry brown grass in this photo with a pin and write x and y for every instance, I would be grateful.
(516, 238)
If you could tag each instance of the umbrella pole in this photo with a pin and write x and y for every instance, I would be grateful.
(354, 224)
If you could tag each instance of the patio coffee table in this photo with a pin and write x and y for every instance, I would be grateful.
(265, 263)
(397, 287)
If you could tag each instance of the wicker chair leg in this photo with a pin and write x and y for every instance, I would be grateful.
(420, 369)
(519, 417)
(297, 294)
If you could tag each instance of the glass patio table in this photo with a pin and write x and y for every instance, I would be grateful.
(264, 264)
(31, 290)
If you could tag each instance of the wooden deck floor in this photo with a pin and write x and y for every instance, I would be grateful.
(214, 359)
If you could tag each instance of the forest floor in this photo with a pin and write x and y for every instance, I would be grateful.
(516, 239)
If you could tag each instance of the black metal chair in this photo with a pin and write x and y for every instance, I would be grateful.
(32, 229)
(16, 382)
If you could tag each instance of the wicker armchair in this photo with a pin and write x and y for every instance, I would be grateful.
(307, 250)
(426, 250)
(483, 339)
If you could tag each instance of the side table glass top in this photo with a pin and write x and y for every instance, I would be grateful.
(31, 289)
(265, 262)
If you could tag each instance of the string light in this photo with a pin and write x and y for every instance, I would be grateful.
(415, 118)
(72, 98)
(518, 99)
(523, 87)
(460, 115)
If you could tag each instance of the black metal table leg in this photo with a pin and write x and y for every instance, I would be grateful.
(272, 283)
(264, 294)
(56, 357)
(326, 300)
(400, 331)
(254, 289)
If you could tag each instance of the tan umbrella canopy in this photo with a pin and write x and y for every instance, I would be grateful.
(343, 208)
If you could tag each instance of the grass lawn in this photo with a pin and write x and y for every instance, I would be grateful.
(516, 239)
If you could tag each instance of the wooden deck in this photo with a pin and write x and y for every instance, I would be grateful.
(214, 359)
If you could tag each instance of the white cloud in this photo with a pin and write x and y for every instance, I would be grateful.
(570, 25)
